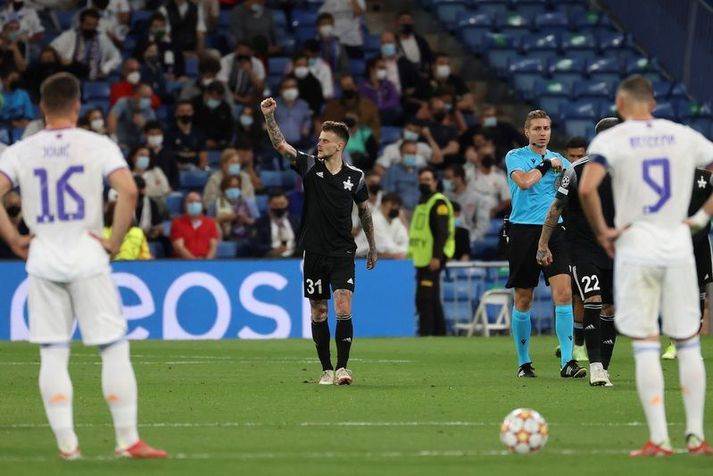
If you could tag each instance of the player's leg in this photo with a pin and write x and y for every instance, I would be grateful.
(521, 329)
(96, 305)
(51, 322)
(681, 321)
(606, 319)
(589, 284)
(638, 297)
(342, 279)
(316, 289)
(579, 352)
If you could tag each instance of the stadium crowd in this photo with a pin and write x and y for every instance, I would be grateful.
(177, 84)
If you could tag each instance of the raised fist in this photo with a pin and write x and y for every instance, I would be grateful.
(268, 106)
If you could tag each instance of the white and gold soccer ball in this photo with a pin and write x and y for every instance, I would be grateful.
(524, 431)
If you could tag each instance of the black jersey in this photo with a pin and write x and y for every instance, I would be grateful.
(580, 237)
(327, 211)
(701, 191)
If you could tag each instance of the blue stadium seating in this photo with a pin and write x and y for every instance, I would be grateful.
(191, 67)
(665, 110)
(96, 90)
(301, 17)
(610, 42)
(213, 158)
(552, 94)
(174, 203)
(592, 89)
(500, 50)
(140, 19)
(227, 249)
(271, 178)
(585, 20)
(552, 22)
(193, 179)
(390, 134)
(65, 18)
(580, 117)
(278, 16)
(304, 33)
(579, 45)
(530, 8)
(449, 12)
(491, 7)
(662, 90)
(156, 249)
(261, 202)
(357, 67)
(524, 73)
(543, 45)
(604, 69)
(513, 24)
(568, 70)
(276, 65)
(679, 91)
(643, 66)
(473, 28)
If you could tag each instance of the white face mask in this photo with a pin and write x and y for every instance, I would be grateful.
(301, 71)
(443, 71)
(381, 74)
(134, 77)
(97, 124)
(155, 141)
(326, 30)
(290, 94)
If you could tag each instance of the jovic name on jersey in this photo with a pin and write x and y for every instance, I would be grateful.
(60, 173)
(650, 164)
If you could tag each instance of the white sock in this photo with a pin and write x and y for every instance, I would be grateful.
(692, 375)
(56, 391)
(649, 383)
(119, 386)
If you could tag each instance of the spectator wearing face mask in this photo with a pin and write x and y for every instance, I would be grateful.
(250, 133)
(13, 207)
(490, 181)
(215, 116)
(293, 114)
(230, 165)
(157, 186)
(462, 237)
(49, 63)
(208, 69)
(330, 49)
(129, 115)
(12, 47)
(149, 215)
(243, 74)
(152, 71)
(251, 22)
(130, 78)
(186, 139)
(320, 68)
(186, 24)
(402, 178)
(162, 157)
(399, 70)
(275, 232)
(444, 80)
(347, 23)
(171, 58)
(115, 16)
(444, 131)
(308, 85)
(365, 109)
(233, 213)
(95, 121)
(427, 151)
(390, 233)
(362, 146)
(194, 235)
(381, 91)
(476, 207)
(89, 53)
(29, 25)
(16, 109)
(413, 46)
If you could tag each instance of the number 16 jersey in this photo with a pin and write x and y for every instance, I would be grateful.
(652, 166)
(61, 174)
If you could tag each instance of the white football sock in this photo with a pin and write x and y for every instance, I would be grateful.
(692, 375)
(119, 386)
(650, 385)
(56, 391)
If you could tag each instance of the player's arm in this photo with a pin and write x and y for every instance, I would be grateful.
(268, 107)
(592, 176)
(122, 181)
(703, 216)
(544, 255)
(526, 180)
(18, 243)
(367, 224)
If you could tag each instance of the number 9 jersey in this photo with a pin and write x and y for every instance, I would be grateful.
(652, 169)
(61, 175)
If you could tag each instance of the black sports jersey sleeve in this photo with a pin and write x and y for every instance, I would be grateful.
(303, 163)
(702, 189)
(362, 193)
(569, 182)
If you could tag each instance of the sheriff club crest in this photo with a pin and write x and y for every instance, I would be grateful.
(348, 184)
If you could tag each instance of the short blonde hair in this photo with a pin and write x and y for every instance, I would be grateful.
(227, 154)
(536, 114)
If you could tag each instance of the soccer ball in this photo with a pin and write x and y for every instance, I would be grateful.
(524, 431)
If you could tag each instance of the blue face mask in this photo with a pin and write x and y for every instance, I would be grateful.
(312, 62)
(246, 121)
(410, 160)
(447, 185)
(194, 209)
(232, 193)
(234, 169)
(145, 103)
(410, 135)
(388, 49)
(212, 103)
(458, 221)
(490, 121)
(142, 162)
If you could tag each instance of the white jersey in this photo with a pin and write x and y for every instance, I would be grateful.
(652, 168)
(61, 178)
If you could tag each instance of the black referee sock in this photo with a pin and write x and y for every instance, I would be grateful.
(578, 333)
(343, 335)
(608, 333)
(592, 333)
(320, 336)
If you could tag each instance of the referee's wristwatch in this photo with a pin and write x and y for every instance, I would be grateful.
(544, 166)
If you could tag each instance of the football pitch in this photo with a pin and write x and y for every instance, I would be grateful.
(417, 406)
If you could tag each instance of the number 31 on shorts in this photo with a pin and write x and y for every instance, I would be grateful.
(312, 285)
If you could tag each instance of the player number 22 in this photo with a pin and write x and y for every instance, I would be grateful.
(662, 187)
(311, 285)
(64, 191)
(591, 283)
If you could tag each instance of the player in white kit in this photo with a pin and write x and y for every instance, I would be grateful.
(652, 164)
(61, 172)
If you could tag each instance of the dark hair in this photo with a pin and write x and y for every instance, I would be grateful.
(404, 12)
(576, 142)
(91, 110)
(536, 114)
(275, 193)
(430, 170)
(208, 64)
(145, 46)
(456, 206)
(89, 13)
(215, 87)
(311, 45)
(225, 183)
(59, 92)
(153, 125)
(457, 170)
(289, 77)
(325, 16)
(140, 182)
(183, 102)
(157, 16)
(392, 197)
(606, 123)
(299, 55)
(638, 87)
(404, 143)
(440, 54)
(338, 128)
(371, 63)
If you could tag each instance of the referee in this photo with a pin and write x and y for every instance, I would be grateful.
(533, 176)
(331, 188)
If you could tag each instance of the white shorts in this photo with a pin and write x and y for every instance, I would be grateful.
(93, 301)
(643, 292)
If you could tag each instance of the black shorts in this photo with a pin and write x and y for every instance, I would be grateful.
(591, 279)
(320, 272)
(704, 267)
(522, 256)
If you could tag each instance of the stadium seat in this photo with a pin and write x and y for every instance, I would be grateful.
(568, 70)
(472, 30)
(296, 199)
(304, 33)
(174, 203)
(662, 90)
(166, 228)
(372, 45)
(390, 134)
(95, 90)
(524, 73)
(543, 45)
(530, 8)
(449, 12)
(579, 45)
(276, 65)
(552, 22)
(456, 312)
(261, 202)
(278, 16)
(458, 291)
(191, 65)
(214, 158)
(226, 249)
(65, 18)
(491, 7)
(500, 50)
(193, 180)
(592, 89)
(643, 66)
(485, 249)
(140, 20)
(513, 24)
(271, 178)
(604, 69)
(679, 91)
(611, 41)
(552, 94)
(492, 314)
(302, 17)
(156, 249)
(585, 20)
(357, 67)
(289, 180)
(580, 117)
(665, 110)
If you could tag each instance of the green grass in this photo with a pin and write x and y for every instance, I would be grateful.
(417, 406)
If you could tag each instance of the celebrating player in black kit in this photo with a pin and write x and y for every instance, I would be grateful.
(592, 270)
(331, 187)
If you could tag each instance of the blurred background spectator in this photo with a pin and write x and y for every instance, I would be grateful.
(193, 234)
(275, 232)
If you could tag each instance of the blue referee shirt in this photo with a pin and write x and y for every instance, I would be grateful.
(529, 207)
